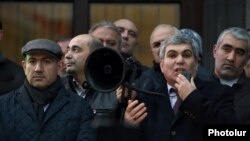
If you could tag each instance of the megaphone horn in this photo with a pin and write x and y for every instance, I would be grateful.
(104, 69)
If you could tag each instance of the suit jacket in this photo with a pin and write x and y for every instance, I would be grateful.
(103, 104)
(241, 97)
(210, 103)
(68, 118)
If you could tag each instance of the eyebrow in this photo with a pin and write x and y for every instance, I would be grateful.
(234, 47)
(76, 46)
(130, 30)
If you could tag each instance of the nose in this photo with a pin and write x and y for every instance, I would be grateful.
(231, 56)
(105, 44)
(68, 55)
(39, 67)
(125, 34)
(179, 59)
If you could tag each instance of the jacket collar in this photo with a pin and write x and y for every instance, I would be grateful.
(60, 100)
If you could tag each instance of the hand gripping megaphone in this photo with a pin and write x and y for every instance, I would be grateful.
(106, 69)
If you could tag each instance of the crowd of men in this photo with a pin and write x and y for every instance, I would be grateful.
(50, 98)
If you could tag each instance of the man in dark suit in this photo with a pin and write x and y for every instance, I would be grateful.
(231, 53)
(42, 109)
(11, 74)
(189, 105)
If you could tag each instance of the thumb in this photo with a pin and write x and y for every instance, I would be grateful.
(192, 82)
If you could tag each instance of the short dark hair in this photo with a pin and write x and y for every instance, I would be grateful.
(1, 27)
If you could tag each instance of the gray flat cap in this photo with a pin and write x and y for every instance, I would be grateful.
(42, 45)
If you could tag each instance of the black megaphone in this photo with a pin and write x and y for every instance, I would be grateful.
(105, 69)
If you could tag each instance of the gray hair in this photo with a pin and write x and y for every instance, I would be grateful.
(167, 26)
(176, 40)
(189, 33)
(107, 24)
(237, 33)
(94, 43)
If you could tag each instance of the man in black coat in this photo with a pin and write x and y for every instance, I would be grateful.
(11, 74)
(79, 49)
(42, 109)
(189, 105)
(231, 53)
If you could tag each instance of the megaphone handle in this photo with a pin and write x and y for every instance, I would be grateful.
(124, 97)
(144, 91)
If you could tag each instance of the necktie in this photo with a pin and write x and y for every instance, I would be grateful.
(178, 101)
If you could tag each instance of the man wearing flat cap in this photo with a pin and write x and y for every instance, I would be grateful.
(42, 109)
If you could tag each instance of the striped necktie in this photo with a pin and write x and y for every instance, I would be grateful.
(178, 101)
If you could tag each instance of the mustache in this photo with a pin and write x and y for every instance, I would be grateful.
(228, 63)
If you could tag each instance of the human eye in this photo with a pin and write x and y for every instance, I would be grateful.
(226, 48)
(187, 54)
(156, 44)
(132, 33)
(120, 29)
(172, 54)
(111, 44)
(31, 61)
(240, 52)
(75, 49)
(48, 61)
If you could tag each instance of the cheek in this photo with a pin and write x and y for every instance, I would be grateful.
(166, 68)
(241, 62)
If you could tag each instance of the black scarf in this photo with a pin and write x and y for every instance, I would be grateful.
(41, 97)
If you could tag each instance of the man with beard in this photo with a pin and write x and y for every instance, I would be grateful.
(107, 33)
(188, 105)
(151, 80)
(231, 53)
(80, 47)
(129, 33)
(42, 109)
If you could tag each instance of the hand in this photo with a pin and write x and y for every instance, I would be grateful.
(119, 93)
(183, 86)
(135, 112)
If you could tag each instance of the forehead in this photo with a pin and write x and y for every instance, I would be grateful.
(39, 55)
(178, 47)
(160, 34)
(106, 32)
(237, 43)
(78, 41)
(126, 24)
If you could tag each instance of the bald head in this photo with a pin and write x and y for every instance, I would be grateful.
(78, 50)
(159, 33)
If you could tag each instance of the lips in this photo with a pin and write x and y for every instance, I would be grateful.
(124, 45)
(179, 70)
(38, 77)
(228, 66)
(69, 64)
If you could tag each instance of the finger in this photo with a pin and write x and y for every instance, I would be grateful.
(129, 101)
(140, 112)
(133, 95)
(137, 109)
(142, 117)
(131, 105)
(192, 81)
